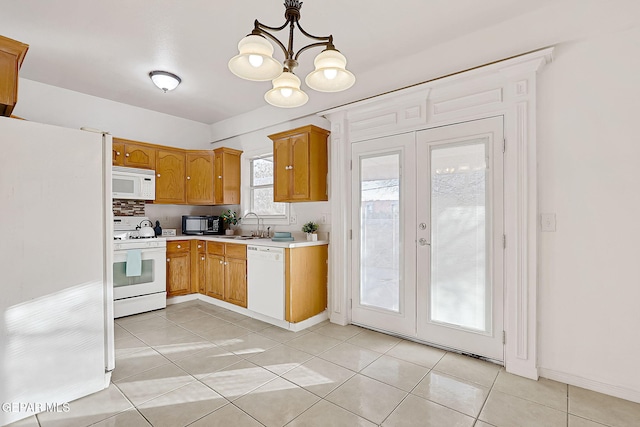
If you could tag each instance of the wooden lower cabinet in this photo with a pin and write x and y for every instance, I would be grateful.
(219, 270)
(225, 272)
(235, 281)
(178, 268)
(214, 276)
(306, 272)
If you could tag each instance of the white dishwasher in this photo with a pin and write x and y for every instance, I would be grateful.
(265, 280)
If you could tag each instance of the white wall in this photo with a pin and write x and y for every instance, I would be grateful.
(589, 275)
(43, 103)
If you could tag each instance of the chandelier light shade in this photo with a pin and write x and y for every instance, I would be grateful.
(330, 74)
(286, 92)
(165, 80)
(255, 61)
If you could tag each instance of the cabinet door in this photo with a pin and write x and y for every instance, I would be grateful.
(139, 156)
(227, 176)
(117, 153)
(218, 189)
(199, 166)
(299, 167)
(12, 54)
(198, 265)
(281, 172)
(214, 280)
(201, 268)
(306, 282)
(170, 173)
(235, 289)
(178, 273)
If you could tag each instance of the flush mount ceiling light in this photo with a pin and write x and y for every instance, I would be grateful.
(165, 80)
(255, 62)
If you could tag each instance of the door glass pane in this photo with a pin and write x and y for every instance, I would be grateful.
(460, 291)
(120, 274)
(380, 232)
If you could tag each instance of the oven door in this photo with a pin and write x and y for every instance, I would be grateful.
(151, 280)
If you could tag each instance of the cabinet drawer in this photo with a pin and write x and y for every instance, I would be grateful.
(199, 245)
(178, 246)
(216, 248)
(236, 251)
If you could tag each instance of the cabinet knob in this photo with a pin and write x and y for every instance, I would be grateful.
(202, 259)
(188, 177)
(127, 155)
(219, 176)
(179, 246)
(117, 153)
(158, 175)
(168, 260)
(225, 263)
(199, 246)
(220, 262)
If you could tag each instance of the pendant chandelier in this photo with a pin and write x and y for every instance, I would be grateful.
(255, 62)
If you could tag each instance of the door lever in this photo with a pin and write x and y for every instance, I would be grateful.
(423, 242)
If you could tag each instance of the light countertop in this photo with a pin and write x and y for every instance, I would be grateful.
(253, 242)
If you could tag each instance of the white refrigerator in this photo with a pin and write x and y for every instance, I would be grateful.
(56, 238)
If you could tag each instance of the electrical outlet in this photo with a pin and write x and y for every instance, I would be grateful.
(293, 219)
(324, 219)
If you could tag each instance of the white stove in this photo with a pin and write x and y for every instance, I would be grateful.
(139, 268)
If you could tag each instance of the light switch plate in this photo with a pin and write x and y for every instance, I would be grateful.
(548, 222)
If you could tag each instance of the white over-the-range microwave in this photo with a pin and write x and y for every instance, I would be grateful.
(133, 183)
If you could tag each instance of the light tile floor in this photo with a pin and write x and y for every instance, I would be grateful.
(200, 365)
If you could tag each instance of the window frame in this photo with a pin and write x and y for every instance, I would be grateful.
(249, 200)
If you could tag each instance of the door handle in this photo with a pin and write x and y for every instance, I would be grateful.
(423, 242)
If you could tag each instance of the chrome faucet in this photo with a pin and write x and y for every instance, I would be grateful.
(258, 231)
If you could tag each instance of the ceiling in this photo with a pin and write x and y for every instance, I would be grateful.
(107, 48)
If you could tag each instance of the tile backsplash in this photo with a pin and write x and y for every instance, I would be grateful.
(123, 207)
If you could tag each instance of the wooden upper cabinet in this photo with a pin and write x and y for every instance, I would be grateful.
(12, 54)
(117, 152)
(133, 154)
(227, 176)
(199, 179)
(300, 165)
(194, 177)
(139, 156)
(170, 176)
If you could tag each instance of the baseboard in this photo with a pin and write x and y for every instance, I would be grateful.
(181, 298)
(600, 387)
(295, 327)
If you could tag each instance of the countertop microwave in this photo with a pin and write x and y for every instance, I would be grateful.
(202, 224)
(133, 183)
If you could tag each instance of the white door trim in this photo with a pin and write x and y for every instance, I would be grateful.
(503, 88)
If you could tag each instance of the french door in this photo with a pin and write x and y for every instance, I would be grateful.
(427, 243)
